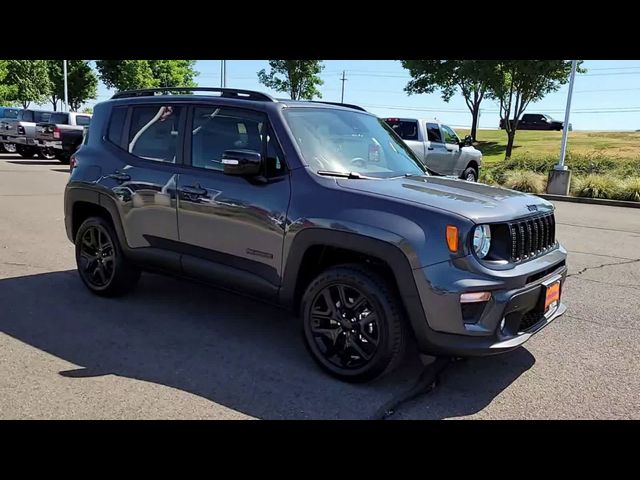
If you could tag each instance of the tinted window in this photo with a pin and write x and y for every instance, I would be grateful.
(60, 118)
(41, 116)
(449, 135)
(83, 120)
(215, 130)
(116, 125)
(26, 116)
(154, 132)
(406, 129)
(433, 132)
(9, 113)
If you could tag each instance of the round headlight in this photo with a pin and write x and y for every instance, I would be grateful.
(482, 240)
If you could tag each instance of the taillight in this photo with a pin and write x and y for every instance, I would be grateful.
(73, 162)
(56, 132)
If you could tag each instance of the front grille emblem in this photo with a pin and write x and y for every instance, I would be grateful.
(532, 208)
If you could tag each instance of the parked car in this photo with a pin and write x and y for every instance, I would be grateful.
(8, 112)
(62, 133)
(439, 147)
(21, 131)
(536, 121)
(318, 208)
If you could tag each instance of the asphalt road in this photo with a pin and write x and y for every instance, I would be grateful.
(174, 349)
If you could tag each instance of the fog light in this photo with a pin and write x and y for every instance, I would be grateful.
(475, 297)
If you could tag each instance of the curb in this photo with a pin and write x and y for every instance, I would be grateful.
(593, 201)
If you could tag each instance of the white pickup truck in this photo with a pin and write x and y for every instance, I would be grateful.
(439, 147)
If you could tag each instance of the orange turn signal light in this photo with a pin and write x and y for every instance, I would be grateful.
(452, 238)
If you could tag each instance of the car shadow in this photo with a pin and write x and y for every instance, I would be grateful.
(61, 170)
(34, 162)
(234, 351)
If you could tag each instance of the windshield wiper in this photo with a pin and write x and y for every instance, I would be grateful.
(330, 173)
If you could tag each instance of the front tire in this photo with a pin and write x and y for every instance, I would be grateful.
(352, 324)
(470, 175)
(101, 264)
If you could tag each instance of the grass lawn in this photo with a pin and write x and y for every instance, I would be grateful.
(492, 143)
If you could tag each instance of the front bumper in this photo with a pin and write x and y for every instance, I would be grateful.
(515, 298)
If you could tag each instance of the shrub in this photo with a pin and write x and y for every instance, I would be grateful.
(597, 186)
(525, 181)
(630, 190)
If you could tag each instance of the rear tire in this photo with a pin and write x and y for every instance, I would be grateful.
(352, 323)
(25, 152)
(46, 153)
(101, 264)
(470, 175)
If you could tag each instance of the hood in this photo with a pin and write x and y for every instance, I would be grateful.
(475, 201)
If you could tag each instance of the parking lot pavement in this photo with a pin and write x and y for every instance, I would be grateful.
(174, 349)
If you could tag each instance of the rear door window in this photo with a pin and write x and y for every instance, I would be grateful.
(153, 134)
(60, 118)
(41, 117)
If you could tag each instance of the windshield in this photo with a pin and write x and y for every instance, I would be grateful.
(345, 141)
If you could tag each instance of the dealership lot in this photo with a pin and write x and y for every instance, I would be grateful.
(174, 349)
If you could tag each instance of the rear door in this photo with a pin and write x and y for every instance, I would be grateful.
(437, 156)
(141, 175)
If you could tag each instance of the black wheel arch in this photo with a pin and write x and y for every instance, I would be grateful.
(395, 261)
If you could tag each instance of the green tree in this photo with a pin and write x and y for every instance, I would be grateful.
(5, 87)
(87, 110)
(135, 74)
(29, 81)
(517, 83)
(174, 73)
(82, 83)
(471, 77)
(298, 78)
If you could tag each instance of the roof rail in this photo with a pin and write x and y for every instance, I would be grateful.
(224, 92)
(347, 105)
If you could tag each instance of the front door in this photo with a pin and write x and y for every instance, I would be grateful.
(437, 157)
(232, 227)
(452, 144)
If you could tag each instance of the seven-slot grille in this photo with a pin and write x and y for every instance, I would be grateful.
(532, 236)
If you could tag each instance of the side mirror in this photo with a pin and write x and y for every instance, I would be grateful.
(246, 163)
(467, 142)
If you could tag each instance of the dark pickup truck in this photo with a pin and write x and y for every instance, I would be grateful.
(536, 121)
(20, 131)
(62, 133)
(8, 112)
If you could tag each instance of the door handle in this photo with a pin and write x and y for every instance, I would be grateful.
(429, 148)
(449, 149)
(120, 177)
(194, 190)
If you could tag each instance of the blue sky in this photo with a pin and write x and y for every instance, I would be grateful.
(607, 97)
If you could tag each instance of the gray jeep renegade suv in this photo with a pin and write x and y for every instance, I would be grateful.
(319, 208)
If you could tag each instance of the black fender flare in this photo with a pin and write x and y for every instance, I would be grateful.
(391, 254)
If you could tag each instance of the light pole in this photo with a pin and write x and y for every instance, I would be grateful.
(66, 91)
(560, 177)
(223, 73)
(344, 79)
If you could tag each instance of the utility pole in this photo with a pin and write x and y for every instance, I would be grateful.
(223, 73)
(66, 91)
(560, 177)
(565, 129)
(343, 79)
